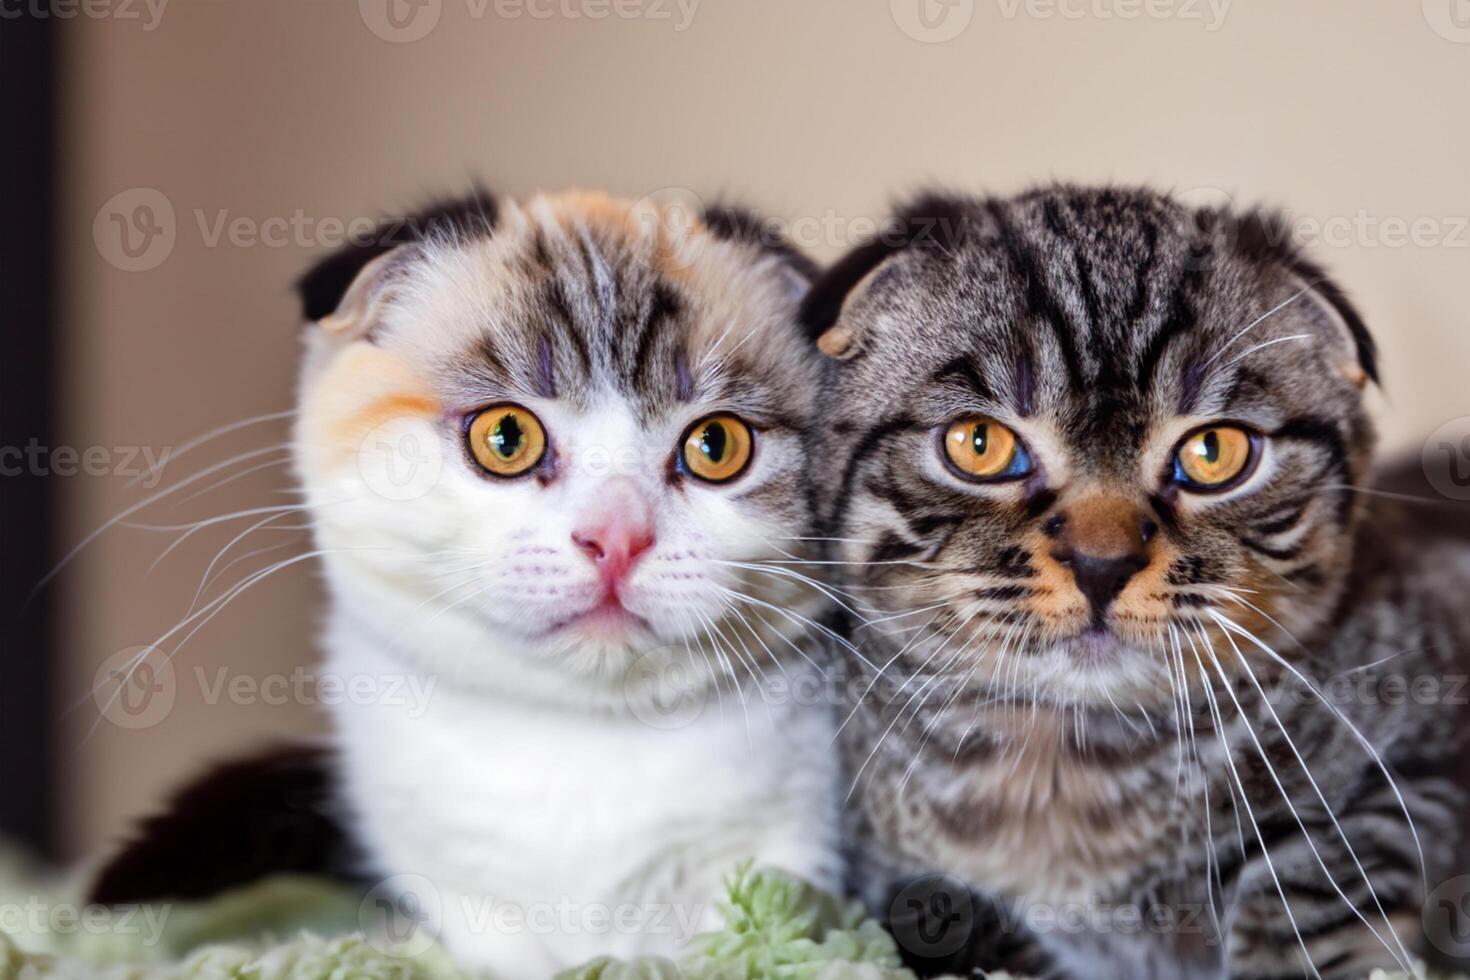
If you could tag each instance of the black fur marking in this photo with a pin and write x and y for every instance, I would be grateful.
(930, 524)
(1247, 383)
(683, 380)
(734, 223)
(1039, 300)
(1039, 501)
(322, 287)
(1090, 302)
(663, 306)
(1004, 593)
(1323, 433)
(485, 351)
(1015, 562)
(1189, 386)
(930, 220)
(1309, 574)
(545, 369)
(870, 441)
(891, 547)
(1138, 305)
(556, 299)
(1164, 510)
(1181, 320)
(249, 818)
(1278, 554)
(963, 370)
(885, 488)
(1283, 521)
(1025, 384)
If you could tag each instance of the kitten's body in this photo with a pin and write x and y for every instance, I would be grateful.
(551, 835)
(1081, 778)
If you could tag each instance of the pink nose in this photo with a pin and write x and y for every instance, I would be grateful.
(614, 547)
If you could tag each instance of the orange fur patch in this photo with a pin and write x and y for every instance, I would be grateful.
(1103, 526)
(363, 387)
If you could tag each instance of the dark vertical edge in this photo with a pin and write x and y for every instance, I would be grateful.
(28, 258)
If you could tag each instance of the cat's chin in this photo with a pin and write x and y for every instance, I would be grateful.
(1095, 645)
(608, 623)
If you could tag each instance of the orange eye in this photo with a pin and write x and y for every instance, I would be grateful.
(1215, 458)
(983, 449)
(507, 440)
(718, 448)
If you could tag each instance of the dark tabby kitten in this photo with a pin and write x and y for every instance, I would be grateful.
(1160, 681)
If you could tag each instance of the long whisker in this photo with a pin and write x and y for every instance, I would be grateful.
(1250, 814)
(1231, 626)
(1259, 320)
(145, 502)
(1401, 957)
(212, 434)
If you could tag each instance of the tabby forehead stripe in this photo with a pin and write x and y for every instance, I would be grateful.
(663, 307)
(1040, 302)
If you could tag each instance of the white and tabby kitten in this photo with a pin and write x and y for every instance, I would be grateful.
(547, 447)
(620, 397)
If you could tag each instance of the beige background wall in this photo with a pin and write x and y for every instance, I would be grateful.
(1353, 115)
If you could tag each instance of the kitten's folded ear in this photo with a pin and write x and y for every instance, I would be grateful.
(342, 292)
(267, 814)
(740, 224)
(1266, 237)
(930, 220)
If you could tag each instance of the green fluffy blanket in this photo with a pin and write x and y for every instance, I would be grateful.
(302, 929)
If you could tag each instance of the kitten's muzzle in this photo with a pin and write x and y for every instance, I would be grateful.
(1104, 543)
(1101, 579)
(615, 531)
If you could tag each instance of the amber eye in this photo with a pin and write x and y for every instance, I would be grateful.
(718, 448)
(1215, 458)
(981, 448)
(507, 440)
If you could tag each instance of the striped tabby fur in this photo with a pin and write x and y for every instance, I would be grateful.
(1174, 763)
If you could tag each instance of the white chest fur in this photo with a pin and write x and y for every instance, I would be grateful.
(550, 835)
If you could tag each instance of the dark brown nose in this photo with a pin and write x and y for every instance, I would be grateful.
(1103, 542)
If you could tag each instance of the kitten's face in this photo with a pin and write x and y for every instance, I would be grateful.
(557, 378)
(1070, 435)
